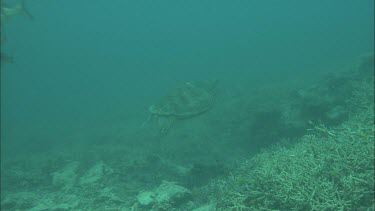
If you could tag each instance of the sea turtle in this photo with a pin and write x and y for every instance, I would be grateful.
(185, 101)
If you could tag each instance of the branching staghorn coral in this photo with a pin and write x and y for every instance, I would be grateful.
(327, 169)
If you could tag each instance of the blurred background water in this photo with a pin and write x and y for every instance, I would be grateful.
(81, 64)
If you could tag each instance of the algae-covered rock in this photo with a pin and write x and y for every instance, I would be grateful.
(95, 174)
(172, 193)
(167, 195)
(208, 207)
(66, 177)
(146, 198)
(49, 204)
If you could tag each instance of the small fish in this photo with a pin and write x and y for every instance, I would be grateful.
(6, 58)
(18, 9)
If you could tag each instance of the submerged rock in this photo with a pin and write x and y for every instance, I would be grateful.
(95, 174)
(66, 177)
(167, 195)
(209, 207)
(145, 199)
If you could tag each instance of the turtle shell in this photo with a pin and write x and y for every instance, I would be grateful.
(189, 99)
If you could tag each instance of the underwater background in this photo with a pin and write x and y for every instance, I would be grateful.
(294, 83)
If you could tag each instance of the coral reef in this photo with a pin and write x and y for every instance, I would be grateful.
(329, 168)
